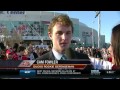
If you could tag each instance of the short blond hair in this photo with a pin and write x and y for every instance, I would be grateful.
(63, 19)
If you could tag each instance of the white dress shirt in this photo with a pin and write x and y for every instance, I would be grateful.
(56, 54)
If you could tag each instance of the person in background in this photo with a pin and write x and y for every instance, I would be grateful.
(21, 53)
(15, 49)
(32, 55)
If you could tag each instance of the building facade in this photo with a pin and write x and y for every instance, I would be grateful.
(32, 27)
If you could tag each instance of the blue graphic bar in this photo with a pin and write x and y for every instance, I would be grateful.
(27, 72)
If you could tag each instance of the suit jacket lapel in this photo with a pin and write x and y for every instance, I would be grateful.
(70, 53)
(51, 56)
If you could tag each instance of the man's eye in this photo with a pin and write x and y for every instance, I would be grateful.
(60, 33)
(68, 32)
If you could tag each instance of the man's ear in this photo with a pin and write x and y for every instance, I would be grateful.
(50, 35)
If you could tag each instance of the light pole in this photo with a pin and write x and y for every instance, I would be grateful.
(79, 42)
(40, 24)
(83, 44)
(93, 36)
(99, 24)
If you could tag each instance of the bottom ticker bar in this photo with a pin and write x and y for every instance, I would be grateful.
(58, 73)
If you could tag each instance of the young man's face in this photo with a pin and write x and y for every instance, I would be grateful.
(61, 37)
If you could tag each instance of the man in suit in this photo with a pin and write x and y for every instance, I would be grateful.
(60, 31)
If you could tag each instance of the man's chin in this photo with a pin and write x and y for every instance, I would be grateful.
(64, 48)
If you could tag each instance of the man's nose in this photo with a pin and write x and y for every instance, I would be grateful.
(64, 36)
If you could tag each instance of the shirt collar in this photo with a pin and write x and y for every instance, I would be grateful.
(56, 54)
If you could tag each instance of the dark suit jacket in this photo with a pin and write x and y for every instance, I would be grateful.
(71, 55)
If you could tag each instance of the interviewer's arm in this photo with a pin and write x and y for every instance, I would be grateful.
(101, 64)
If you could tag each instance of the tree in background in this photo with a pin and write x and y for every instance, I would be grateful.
(11, 37)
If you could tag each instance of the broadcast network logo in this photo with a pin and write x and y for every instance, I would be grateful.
(95, 72)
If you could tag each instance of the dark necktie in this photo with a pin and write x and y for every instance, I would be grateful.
(63, 57)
